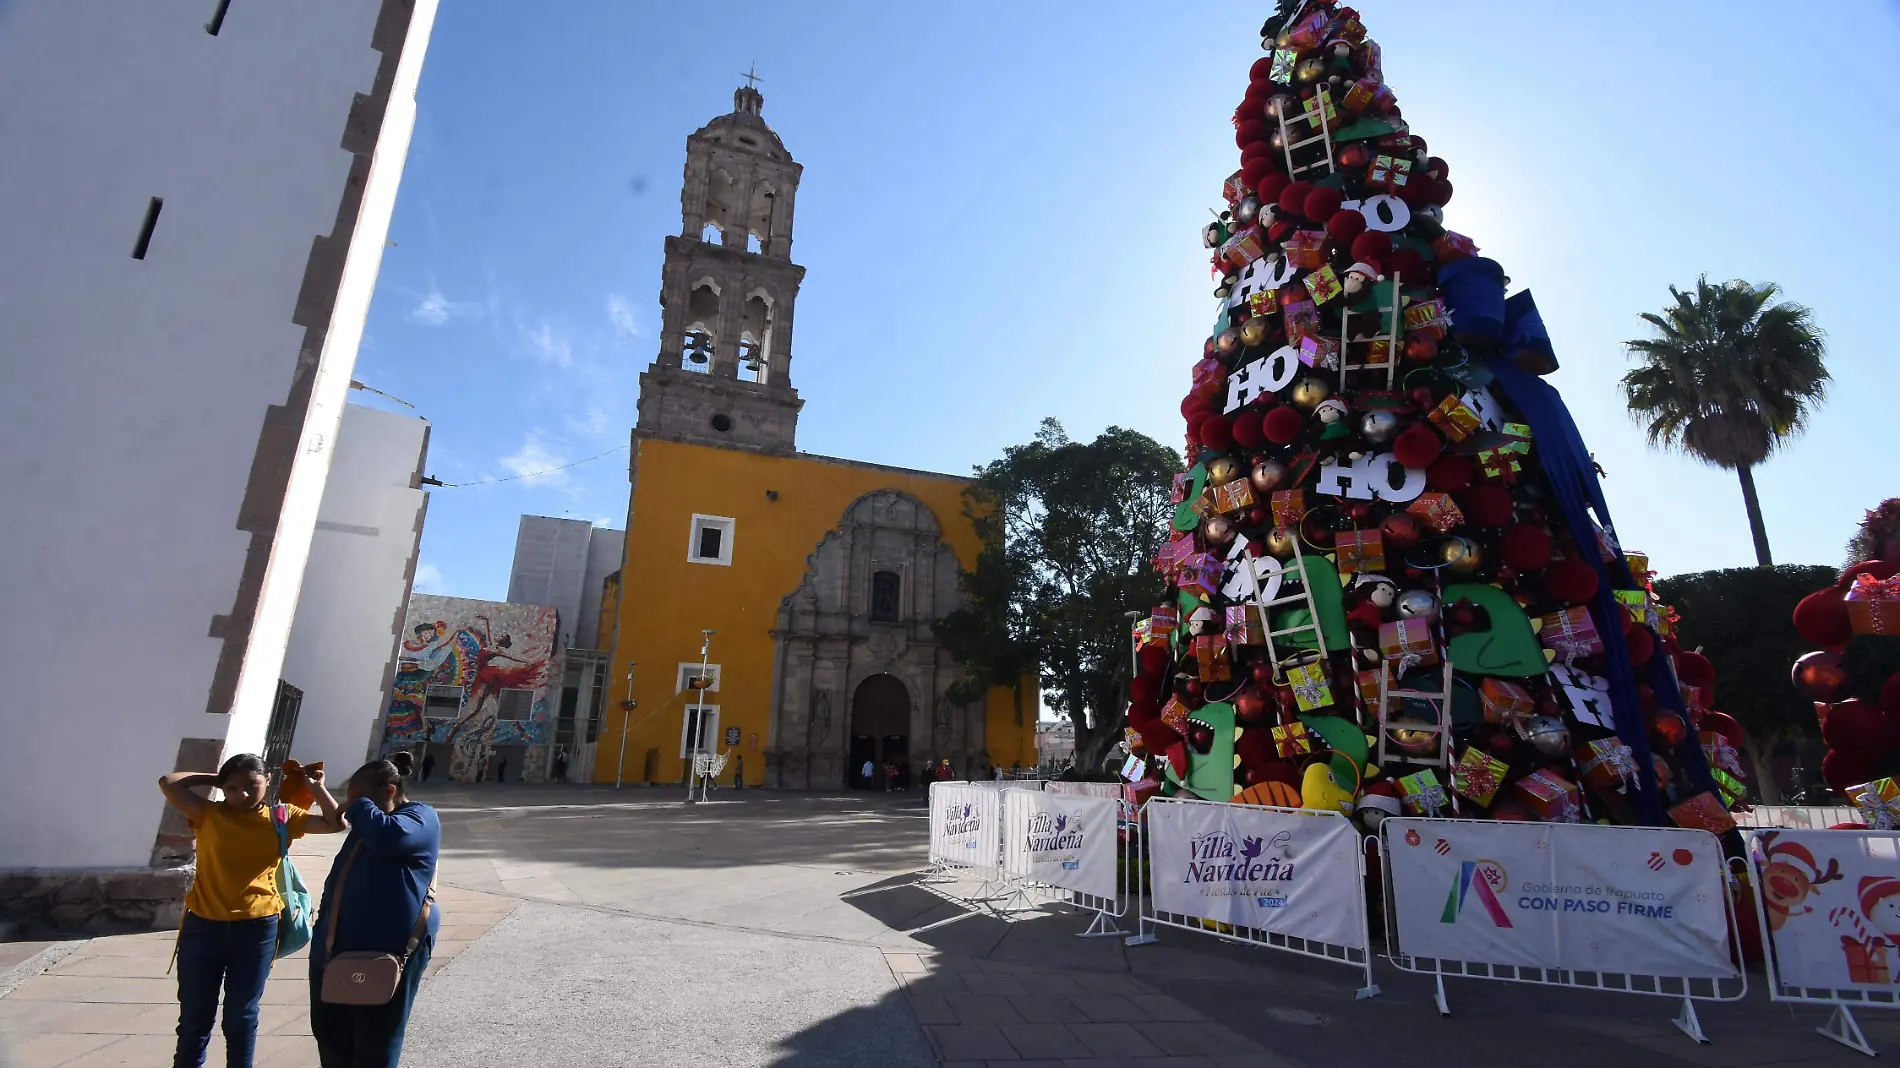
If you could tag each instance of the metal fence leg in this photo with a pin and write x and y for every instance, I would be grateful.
(1687, 1023)
(1444, 1008)
(1842, 1028)
(1102, 926)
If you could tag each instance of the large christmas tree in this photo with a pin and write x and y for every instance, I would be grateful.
(1399, 586)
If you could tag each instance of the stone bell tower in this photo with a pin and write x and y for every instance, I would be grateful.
(724, 372)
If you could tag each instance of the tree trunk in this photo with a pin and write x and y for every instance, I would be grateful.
(1755, 524)
(1093, 743)
(1758, 754)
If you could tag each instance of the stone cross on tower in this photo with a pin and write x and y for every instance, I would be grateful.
(724, 371)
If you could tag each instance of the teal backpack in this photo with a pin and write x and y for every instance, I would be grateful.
(295, 923)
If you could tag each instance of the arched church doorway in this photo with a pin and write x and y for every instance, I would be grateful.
(880, 730)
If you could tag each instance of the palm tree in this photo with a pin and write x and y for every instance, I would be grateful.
(1728, 378)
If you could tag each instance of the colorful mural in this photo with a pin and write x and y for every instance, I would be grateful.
(482, 648)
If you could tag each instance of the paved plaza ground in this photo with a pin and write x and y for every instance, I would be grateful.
(585, 926)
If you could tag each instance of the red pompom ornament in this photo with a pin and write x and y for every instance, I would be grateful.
(1293, 197)
(1144, 690)
(1282, 425)
(1420, 347)
(1261, 72)
(1270, 187)
(1842, 768)
(1449, 473)
(1345, 225)
(1487, 506)
(1217, 432)
(1821, 618)
(1856, 726)
(1372, 245)
(1322, 202)
(1642, 645)
(1418, 446)
(1694, 669)
(1247, 432)
(1571, 581)
(1409, 266)
(1154, 658)
(1527, 547)
(1250, 131)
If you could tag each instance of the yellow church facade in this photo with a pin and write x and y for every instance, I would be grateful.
(818, 578)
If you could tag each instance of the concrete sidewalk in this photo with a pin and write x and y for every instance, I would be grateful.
(592, 927)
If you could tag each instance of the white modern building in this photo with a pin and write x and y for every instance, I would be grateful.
(343, 647)
(198, 197)
(562, 562)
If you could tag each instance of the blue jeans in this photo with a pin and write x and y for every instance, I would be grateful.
(233, 955)
(365, 1036)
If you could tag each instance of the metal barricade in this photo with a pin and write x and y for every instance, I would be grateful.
(1227, 851)
(1070, 829)
(1843, 870)
(1689, 989)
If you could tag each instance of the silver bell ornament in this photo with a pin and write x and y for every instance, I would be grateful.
(1378, 426)
(1548, 735)
(1227, 342)
(1267, 476)
(1247, 211)
(1417, 604)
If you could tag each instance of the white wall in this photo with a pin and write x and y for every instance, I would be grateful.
(355, 586)
(549, 566)
(135, 389)
(605, 549)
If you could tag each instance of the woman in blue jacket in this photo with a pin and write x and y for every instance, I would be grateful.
(378, 889)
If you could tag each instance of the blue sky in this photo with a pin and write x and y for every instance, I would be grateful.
(1000, 220)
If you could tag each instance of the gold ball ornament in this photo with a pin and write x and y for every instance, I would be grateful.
(1267, 476)
(1308, 392)
(1279, 543)
(1217, 529)
(1460, 555)
(1412, 740)
(1310, 70)
(1253, 332)
(1223, 470)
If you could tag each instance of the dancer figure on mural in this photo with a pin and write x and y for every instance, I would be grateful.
(490, 679)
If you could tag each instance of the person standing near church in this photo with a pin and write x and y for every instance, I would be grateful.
(738, 771)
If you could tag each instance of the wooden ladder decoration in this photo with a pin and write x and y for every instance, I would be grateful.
(1366, 345)
(1323, 138)
(1439, 700)
(1263, 607)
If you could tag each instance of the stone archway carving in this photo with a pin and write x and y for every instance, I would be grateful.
(828, 643)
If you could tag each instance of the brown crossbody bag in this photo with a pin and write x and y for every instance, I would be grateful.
(366, 977)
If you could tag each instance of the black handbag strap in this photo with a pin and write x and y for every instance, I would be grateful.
(342, 881)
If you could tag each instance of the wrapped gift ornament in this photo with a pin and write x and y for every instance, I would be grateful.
(1174, 553)
(1408, 643)
(1281, 69)
(1233, 496)
(1319, 107)
(1436, 510)
(1200, 576)
(1720, 753)
(1174, 715)
(1703, 812)
(1367, 683)
(1164, 621)
(1639, 607)
(1873, 605)
(1453, 417)
(1288, 507)
(1324, 284)
(1292, 740)
(1242, 248)
(1234, 189)
(1243, 626)
(1868, 961)
(1554, 797)
(1210, 658)
(1478, 775)
(1318, 351)
(1729, 787)
(1302, 318)
(1368, 94)
(1607, 764)
(1429, 318)
(1451, 246)
(1422, 793)
(1309, 685)
(1505, 702)
(1306, 249)
(1389, 173)
(1183, 485)
(1878, 802)
(1571, 633)
(1360, 551)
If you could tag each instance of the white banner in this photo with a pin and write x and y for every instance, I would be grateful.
(1632, 900)
(1084, 789)
(1832, 900)
(965, 825)
(1291, 872)
(1062, 840)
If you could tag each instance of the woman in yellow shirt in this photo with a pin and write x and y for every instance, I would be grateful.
(229, 935)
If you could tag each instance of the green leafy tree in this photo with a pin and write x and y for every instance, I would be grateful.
(1069, 530)
(1728, 378)
(1741, 619)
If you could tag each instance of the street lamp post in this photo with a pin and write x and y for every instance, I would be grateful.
(702, 683)
(626, 717)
